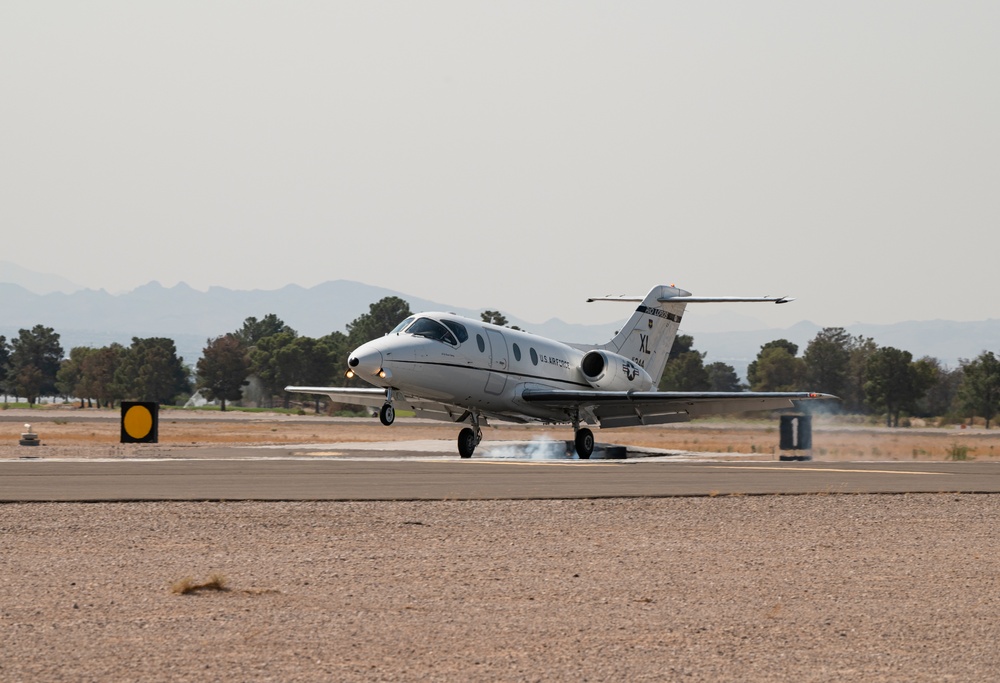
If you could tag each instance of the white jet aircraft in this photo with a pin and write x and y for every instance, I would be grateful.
(443, 366)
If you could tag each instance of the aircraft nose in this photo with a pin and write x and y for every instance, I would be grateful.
(365, 362)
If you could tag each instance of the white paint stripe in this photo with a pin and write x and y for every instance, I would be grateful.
(824, 469)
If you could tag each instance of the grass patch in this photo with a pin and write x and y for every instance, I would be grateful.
(959, 451)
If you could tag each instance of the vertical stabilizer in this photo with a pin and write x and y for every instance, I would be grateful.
(648, 335)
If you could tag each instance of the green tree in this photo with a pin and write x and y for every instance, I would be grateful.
(273, 360)
(683, 343)
(223, 369)
(316, 362)
(494, 318)
(70, 375)
(381, 318)
(98, 371)
(254, 330)
(34, 363)
(854, 399)
(894, 382)
(980, 390)
(777, 369)
(685, 373)
(150, 370)
(941, 398)
(827, 361)
(752, 379)
(4, 362)
(339, 349)
(722, 377)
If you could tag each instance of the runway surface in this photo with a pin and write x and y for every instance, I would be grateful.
(292, 474)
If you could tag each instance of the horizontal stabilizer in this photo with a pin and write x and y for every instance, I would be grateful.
(728, 299)
(701, 299)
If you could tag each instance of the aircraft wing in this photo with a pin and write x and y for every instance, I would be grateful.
(630, 408)
(375, 398)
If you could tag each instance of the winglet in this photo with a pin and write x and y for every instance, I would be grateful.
(633, 299)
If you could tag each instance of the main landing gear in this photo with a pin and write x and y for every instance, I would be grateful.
(584, 443)
(584, 440)
(468, 438)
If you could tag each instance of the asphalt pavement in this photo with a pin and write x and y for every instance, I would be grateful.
(287, 474)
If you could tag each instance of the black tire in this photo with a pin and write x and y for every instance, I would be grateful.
(584, 443)
(466, 443)
(387, 415)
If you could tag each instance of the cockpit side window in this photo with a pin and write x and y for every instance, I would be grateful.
(432, 329)
(402, 326)
(460, 332)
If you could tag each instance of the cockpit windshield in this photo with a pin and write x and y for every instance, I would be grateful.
(432, 329)
(458, 329)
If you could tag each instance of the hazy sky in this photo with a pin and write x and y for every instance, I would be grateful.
(513, 155)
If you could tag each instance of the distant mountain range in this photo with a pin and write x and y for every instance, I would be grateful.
(87, 317)
(190, 317)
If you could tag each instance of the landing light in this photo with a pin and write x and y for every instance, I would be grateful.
(349, 374)
(381, 373)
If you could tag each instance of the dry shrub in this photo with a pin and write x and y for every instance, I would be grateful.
(216, 582)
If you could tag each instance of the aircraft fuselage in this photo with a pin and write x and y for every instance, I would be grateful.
(478, 366)
(443, 366)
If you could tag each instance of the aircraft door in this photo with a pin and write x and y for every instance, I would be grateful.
(497, 379)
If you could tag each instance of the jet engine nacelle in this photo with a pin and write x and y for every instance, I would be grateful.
(611, 372)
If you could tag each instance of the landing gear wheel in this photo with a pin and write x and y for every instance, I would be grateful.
(584, 443)
(387, 415)
(467, 442)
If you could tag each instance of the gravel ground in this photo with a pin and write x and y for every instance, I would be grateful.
(811, 588)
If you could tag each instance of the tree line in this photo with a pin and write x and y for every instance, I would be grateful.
(33, 365)
(868, 378)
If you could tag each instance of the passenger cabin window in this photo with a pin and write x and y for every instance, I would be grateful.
(432, 329)
(534, 357)
(517, 353)
(480, 343)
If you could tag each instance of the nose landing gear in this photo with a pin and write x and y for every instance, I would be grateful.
(387, 415)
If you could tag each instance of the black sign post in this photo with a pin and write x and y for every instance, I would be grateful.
(796, 435)
(139, 421)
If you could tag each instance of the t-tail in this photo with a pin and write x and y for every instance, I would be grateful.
(649, 334)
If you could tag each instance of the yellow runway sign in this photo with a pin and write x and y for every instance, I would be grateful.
(139, 422)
